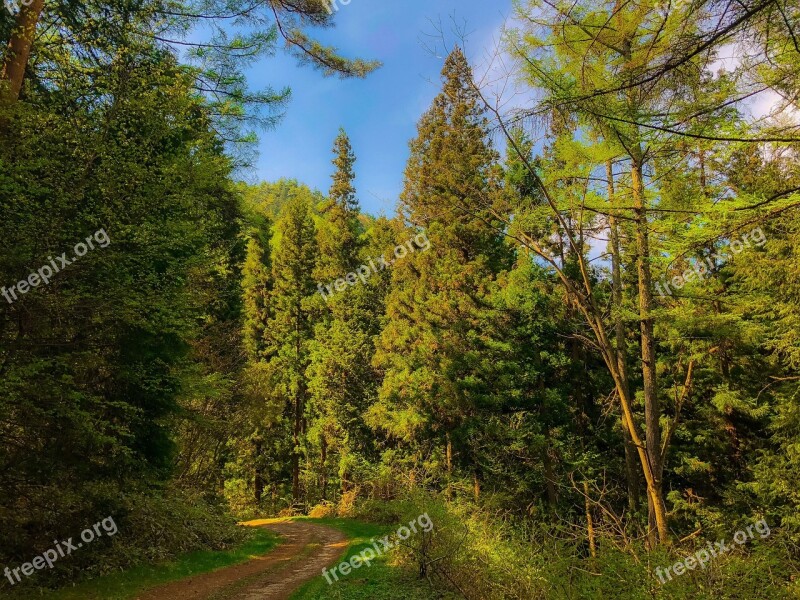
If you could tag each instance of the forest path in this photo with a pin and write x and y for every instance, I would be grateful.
(307, 549)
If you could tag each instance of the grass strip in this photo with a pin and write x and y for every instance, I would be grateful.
(127, 584)
(380, 581)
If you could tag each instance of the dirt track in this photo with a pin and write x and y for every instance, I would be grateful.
(305, 551)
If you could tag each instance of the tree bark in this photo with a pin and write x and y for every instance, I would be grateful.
(298, 424)
(549, 476)
(324, 461)
(258, 484)
(18, 50)
(449, 454)
(448, 464)
(589, 521)
(631, 470)
(652, 409)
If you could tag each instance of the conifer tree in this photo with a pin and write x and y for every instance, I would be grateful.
(342, 380)
(256, 285)
(438, 315)
(339, 232)
(343, 192)
(290, 329)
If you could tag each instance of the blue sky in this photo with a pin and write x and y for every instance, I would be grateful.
(379, 113)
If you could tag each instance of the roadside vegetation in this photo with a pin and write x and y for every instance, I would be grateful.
(574, 344)
(126, 584)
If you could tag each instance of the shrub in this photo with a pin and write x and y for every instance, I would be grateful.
(347, 504)
(322, 510)
(486, 558)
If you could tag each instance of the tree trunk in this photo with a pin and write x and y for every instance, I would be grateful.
(324, 467)
(652, 452)
(631, 470)
(654, 491)
(549, 476)
(258, 484)
(589, 521)
(298, 424)
(449, 454)
(652, 409)
(448, 464)
(18, 50)
(299, 409)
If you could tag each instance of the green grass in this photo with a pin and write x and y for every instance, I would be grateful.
(379, 581)
(127, 584)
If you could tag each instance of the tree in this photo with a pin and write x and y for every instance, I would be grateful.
(339, 232)
(342, 380)
(290, 330)
(98, 363)
(438, 310)
(18, 51)
(631, 96)
(257, 284)
(240, 33)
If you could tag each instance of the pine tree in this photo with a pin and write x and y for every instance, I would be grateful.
(342, 192)
(290, 330)
(339, 233)
(438, 314)
(343, 382)
(256, 286)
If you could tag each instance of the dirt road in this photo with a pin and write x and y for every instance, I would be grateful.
(305, 551)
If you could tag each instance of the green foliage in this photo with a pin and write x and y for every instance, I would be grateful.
(543, 562)
(93, 375)
(130, 583)
(192, 368)
(124, 374)
(382, 579)
(433, 348)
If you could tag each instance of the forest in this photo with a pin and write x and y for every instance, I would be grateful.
(565, 365)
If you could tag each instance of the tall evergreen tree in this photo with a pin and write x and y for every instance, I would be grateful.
(339, 232)
(98, 365)
(256, 284)
(343, 381)
(290, 330)
(343, 192)
(438, 314)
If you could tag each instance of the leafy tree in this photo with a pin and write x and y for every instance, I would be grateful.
(97, 362)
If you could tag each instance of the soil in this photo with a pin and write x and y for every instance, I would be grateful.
(307, 548)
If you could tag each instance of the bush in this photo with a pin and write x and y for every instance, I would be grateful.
(322, 510)
(379, 512)
(347, 504)
(151, 527)
(485, 558)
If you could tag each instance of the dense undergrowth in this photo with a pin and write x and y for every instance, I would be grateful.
(475, 555)
(151, 529)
